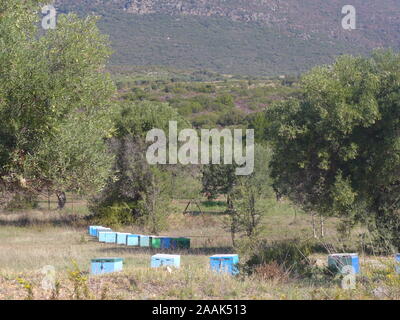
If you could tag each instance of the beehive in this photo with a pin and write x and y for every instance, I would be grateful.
(91, 230)
(224, 263)
(103, 235)
(179, 243)
(106, 265)
(165, 243)
(144, 241)
(338, 261)
(161, 260)
(183, 243)
(155, 242)
(111, 237)
(397, 266)
(121, 237)
(133, 240)
(99, 229)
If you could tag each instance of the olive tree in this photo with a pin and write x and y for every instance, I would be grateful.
(336, 148)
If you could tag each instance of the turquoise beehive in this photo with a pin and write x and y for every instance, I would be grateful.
(397, 258)
(224, 263)
(103, 235)
(121, 237)
(162, 260)
(97, 230)
(133, 240)
(106, 265)
(111, 237)
(144, 241)
(91, 230)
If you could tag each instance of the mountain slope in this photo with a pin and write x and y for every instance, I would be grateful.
(259, 37)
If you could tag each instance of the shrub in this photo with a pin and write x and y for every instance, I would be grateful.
(292, 257)
(271, 271)
(115, 215)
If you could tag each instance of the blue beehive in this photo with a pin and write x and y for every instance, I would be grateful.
(165, 243)
(133, 240)
(225, 263)
(161, 260)
(106, 265)
(91, 230)
(121, 237)
(99, 229)
(338, 261)
(103, 235)
(144, 241)
(110, 237)
(397, 257)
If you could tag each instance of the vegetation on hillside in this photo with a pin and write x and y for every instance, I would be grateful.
(239, 37)
(327, 145)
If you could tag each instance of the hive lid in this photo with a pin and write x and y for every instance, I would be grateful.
(224, 255)
(166, 256)
(343, 254)
(107, 259)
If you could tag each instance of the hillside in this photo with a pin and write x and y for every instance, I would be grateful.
(256, 37)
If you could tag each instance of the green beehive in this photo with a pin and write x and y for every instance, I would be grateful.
(183, 243)
(155, 242)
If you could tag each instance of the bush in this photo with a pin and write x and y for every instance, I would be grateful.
(115, 215)
(292, 257)
(271, 271)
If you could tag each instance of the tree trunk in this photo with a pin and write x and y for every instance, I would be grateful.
(233, 218)
(314, 228)
(62, 199)
(322, 226)
(48, 199)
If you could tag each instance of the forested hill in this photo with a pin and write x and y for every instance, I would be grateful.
(258, 37)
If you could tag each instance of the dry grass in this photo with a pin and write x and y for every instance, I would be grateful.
(31, 240)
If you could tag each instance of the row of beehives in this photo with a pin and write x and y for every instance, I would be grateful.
(107, 235)
(219, 262)
(226, 263)
(345, 263)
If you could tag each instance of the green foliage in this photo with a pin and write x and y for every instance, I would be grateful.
(136, 192)
(115, 215)
(79, 281)
(218, 179)
(249, 194)
(53, 95)
(336, 150)
(155, 201)
(291, 255)
(231, 47)
(76, 159)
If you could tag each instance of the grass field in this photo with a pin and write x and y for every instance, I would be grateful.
(31, 240)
